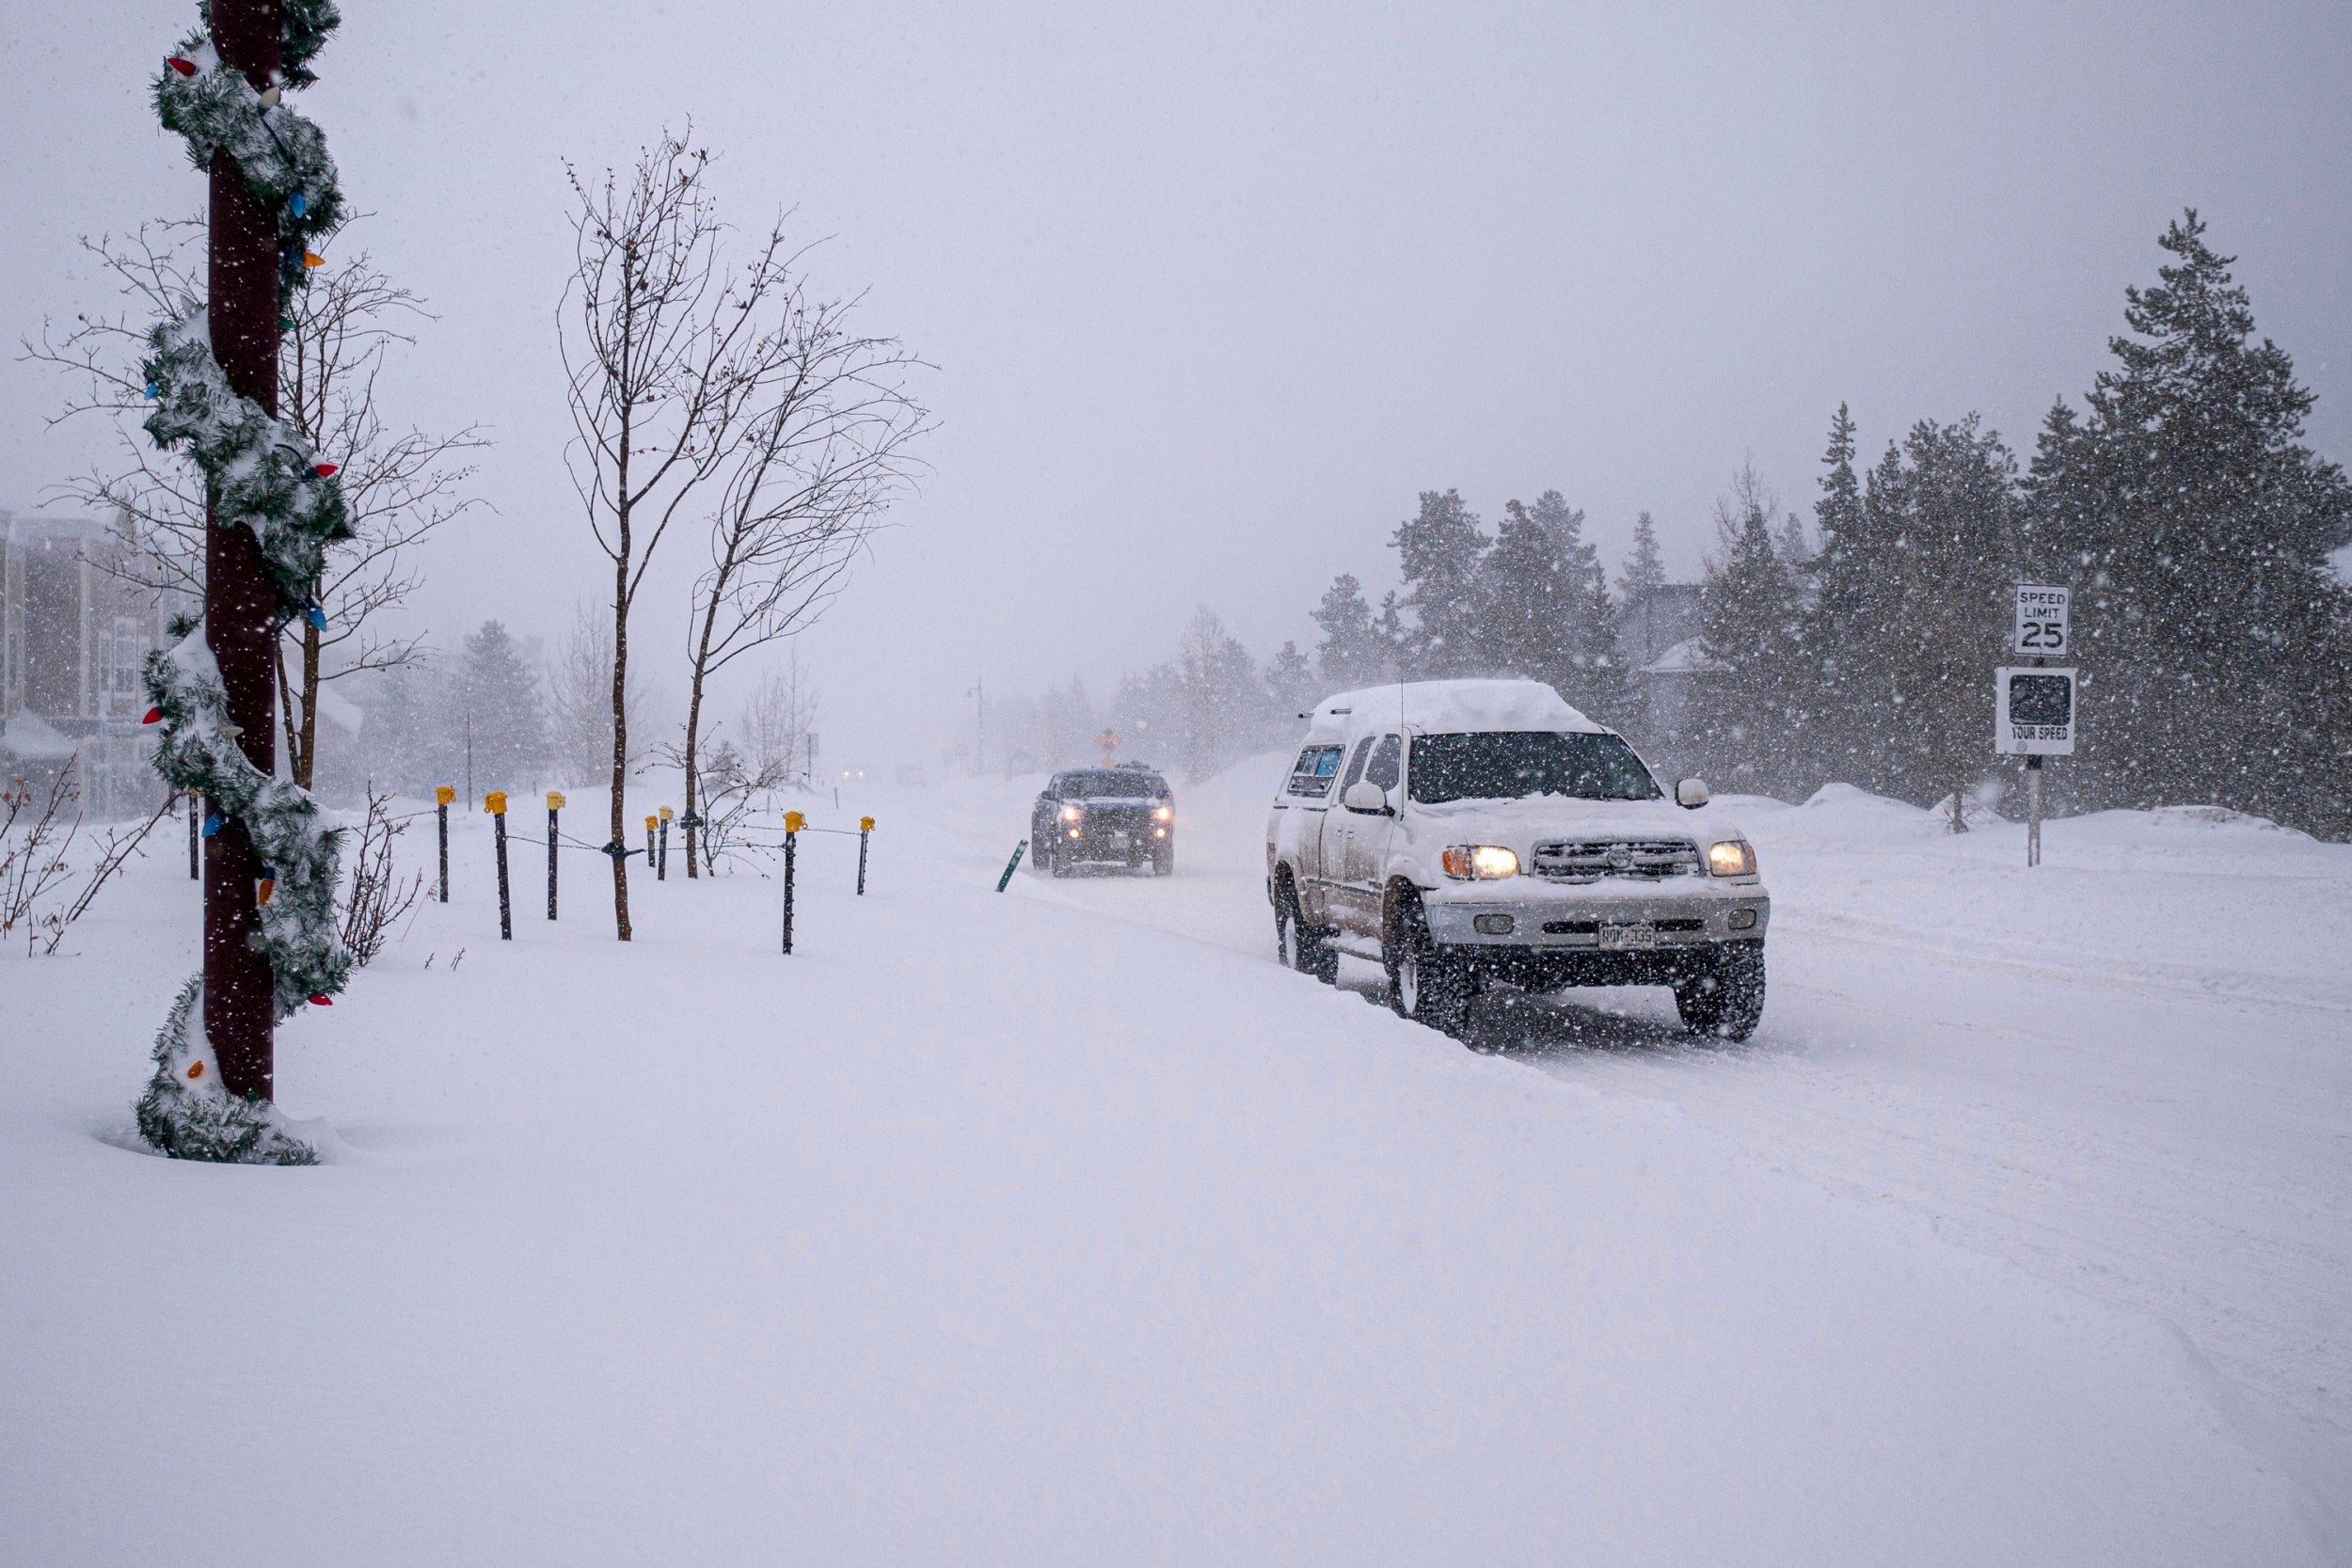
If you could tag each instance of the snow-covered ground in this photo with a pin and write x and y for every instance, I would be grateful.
(1063, 1227)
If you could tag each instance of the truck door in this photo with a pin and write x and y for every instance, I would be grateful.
(1342, 893)
(1368, 831)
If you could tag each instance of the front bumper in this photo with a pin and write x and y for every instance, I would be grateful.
(1596, 918)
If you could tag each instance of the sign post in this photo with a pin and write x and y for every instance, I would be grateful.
(442, 795)
(494, 803)
(555, 803)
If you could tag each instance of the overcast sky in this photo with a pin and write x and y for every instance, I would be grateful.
(1213, 291)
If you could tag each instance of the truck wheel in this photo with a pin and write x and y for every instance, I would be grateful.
(1037, 853)
(1426, 983)
(1058, 859)
(1725, 1001)
(1163, 859)
(1298, 945)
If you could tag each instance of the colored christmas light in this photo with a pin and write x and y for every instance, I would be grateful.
(320, 999)
(183, 65)
(316, 616)
(326, 470)
(154, 716)
(212, 825)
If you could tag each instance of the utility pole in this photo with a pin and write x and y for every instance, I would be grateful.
(240, 602)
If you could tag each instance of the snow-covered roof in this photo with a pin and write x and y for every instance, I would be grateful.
(1685, 658)
(1438, 707)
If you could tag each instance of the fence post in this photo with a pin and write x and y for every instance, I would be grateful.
(650, 823)
(442, 795)
(864, 826)
(555, 803)
(662, 866)
(195, 809)
(494, 803)
(793, 823)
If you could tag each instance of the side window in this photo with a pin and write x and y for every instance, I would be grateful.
(1313, 772)
(1387, 764)
(1053, 787)
(1356, 764)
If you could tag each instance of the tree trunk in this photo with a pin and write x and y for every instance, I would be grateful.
(620, 726)
(694, 719)
(306, 757)
(240, 314)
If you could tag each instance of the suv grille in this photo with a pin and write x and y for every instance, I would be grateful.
(1588, 860)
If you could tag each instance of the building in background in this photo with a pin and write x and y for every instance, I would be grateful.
(72, 638)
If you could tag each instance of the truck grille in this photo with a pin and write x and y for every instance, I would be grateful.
(1588, 860)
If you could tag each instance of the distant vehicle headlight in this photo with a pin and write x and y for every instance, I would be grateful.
(1072, 813)
(1479, 861)
(1164, 813)
(1732, 858)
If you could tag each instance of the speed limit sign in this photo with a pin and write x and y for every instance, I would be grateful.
(2042, 628)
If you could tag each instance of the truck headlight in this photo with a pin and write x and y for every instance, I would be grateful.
(1734, 857)
(1164, 813)
(1479, 861)
(1072, 813)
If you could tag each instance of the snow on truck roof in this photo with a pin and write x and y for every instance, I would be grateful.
(1448, 707)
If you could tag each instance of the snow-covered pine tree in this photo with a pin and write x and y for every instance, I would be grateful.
(2195, 523)
(1527, 600)
(1350, 654)
(1645, 570)
(496, 695)
(1939, 554)
(1438, 550)
(1745, 719)
(1290, 681)
(1850, 728)
(1595, 680)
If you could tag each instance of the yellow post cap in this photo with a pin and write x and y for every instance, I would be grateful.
(444, 794)
(649, 822)
(794, 822)
(866, 823)
(555, 800)
(495, 803)
(667, 813)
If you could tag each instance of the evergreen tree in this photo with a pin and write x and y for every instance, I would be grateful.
(1350, 654)
(1528, 603)
(1745, 721)
(1596, 679)
(496, 699)
(1848, 730)
(2195, 525)
(1391, 637)
(1290, 681)
(1645, 570)
(1438, 550)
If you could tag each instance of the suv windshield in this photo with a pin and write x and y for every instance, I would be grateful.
(1508, 766)
(1112, 787)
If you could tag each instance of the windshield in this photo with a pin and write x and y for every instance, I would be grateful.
(1113, 787)
(1508, 766)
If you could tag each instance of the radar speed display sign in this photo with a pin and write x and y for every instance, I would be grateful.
(2034, 713)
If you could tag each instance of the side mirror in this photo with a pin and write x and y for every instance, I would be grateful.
(1691, 793)
(1365, 795)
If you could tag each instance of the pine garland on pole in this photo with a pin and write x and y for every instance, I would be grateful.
(271, 945)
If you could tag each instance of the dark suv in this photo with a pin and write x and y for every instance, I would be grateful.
(1122, 815)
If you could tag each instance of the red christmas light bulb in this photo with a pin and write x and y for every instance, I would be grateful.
(326, 471)
(154, 716)
(183, 65)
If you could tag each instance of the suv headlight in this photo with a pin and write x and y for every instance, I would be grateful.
(1479, 861)
(1734, 857)
(1072, 813)
(1164, 813)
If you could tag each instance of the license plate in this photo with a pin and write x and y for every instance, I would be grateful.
(1629, 934)
(1119, 839)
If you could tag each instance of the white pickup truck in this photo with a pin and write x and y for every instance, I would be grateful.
(1465, 832)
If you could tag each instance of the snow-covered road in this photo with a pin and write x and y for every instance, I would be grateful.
(2129, 1071)
(995, 1228)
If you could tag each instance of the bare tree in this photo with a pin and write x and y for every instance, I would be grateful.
(824, 454)
(398, 485)
(667, 355)
(37, 887)
(580, 699)
(376, 898)
(778, 718)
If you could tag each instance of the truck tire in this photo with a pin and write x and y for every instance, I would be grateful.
(1298, 945)
(1725, 1001)
(1058, 859)
(1426, 983)
(1163, 859)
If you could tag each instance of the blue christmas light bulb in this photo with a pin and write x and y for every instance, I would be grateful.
(154, 390)
(212, 825)
(316, 616)
(298, 203)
